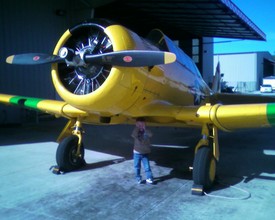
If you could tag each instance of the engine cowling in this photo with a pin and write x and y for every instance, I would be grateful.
(94, 87)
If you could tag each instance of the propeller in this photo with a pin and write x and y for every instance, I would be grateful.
(132, 58)
(33, 59)
(126, 58)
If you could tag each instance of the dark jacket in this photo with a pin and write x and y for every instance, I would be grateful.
(142, 140)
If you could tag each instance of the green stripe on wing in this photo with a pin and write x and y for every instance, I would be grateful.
(270, 111)
(25, 101)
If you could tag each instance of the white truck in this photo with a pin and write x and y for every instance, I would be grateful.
(270, 80)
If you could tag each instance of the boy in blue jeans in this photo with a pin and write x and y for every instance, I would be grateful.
(142, 149)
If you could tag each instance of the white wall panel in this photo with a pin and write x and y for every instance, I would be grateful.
(245, 70)
(240, 70)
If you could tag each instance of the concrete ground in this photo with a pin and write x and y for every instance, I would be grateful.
(106, 189)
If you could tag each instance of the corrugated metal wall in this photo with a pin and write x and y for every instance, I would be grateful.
(31, 26)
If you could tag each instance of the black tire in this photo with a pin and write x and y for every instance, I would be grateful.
(204, 168)
(65, 154)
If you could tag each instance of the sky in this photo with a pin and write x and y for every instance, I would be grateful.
(261, 13)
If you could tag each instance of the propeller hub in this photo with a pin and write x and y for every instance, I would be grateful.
(66, 53)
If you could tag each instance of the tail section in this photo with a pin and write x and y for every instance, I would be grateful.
(216, 86)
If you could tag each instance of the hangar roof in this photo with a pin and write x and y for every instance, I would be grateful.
(203, 18)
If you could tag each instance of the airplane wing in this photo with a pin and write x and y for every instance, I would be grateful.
(224, 117)
(57, 108)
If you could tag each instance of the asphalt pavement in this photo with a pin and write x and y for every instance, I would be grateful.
(106, 188)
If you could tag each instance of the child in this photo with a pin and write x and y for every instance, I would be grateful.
(142, 149)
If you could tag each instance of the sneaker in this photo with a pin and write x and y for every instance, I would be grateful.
(139, 181)
(150, 181)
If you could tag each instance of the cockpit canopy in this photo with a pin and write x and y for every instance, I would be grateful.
(164, 43)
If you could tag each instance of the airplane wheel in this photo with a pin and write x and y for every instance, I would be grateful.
(204, 167)
(66, 157)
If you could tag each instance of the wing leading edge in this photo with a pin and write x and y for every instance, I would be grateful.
(57, 108)
(233, 117)
(224, 117)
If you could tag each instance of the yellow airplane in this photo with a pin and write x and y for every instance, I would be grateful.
(107, 74)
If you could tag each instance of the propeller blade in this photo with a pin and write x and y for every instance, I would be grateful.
(33, 59)
(131, 58)
(127, 58)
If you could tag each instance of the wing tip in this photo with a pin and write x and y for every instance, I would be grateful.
(10, 59)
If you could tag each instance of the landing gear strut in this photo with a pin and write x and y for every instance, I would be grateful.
(70, 151)
(206, 157)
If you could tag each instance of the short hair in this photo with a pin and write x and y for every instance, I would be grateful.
(140, 119)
